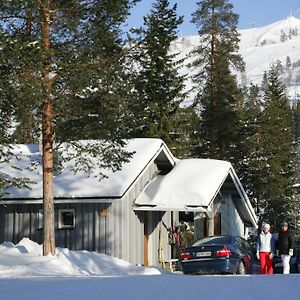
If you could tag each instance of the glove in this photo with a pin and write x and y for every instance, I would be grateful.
(291, 252)
(271, 255)
(257, 255)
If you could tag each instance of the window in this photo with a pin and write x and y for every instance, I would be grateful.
(40, 219)
(185, 216)
(66, 218)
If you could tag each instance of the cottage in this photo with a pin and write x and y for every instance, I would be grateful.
(130, 213)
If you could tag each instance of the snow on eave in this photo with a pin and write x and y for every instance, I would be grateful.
(244, 198)
(81, 187)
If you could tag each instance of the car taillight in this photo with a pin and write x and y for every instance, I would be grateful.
(186, 255)
(223, 252)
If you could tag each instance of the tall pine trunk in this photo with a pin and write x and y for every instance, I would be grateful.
(213, 134)
(47, 133)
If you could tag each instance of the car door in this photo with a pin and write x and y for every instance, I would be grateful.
(249, 253)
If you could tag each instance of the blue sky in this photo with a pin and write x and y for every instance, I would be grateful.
(252, 12)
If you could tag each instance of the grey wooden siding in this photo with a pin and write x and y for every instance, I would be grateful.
(231, 222)
(18, 221)
(160, 223)
(119, 233)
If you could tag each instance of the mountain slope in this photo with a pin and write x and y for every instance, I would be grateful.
(260, 48)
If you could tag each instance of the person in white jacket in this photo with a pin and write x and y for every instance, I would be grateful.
(265, 250)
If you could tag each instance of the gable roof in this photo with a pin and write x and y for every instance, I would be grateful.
(84, 185)
(193, 185)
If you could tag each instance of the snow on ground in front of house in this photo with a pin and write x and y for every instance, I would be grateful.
(26, 275)
(25, 260)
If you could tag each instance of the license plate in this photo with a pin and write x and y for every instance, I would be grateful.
(201, 254)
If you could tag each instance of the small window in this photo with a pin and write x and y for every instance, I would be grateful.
(66, 218)
(40, 219)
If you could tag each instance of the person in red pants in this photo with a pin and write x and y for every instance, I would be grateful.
(265, 250)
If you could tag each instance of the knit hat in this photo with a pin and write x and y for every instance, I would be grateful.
(284, 223)
(266, 226)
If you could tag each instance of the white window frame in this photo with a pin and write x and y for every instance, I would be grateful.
(41, 219)
(61, 224)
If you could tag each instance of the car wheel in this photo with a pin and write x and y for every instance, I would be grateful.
(241, 270)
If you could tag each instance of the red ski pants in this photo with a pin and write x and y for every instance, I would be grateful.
(266, 263)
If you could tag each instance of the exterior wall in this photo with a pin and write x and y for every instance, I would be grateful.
(231, 222)
(120, 233)
(110, 228)
(159, 248)
(22, 220)
(18, 221)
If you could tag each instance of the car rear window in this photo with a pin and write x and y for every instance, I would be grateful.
(213, 240)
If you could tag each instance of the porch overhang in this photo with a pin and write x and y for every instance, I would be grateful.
(194, 185)
(163, 208)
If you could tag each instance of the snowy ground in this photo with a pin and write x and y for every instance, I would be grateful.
(26, 275)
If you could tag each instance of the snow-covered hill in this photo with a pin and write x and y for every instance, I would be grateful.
(260, 48)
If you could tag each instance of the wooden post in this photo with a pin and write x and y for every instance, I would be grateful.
(211, 215)
(146, 239)
(211, 226)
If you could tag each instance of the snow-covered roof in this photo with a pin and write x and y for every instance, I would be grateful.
(83, 185)
(193, 185)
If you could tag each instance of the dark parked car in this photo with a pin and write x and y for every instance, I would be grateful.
(218, 255)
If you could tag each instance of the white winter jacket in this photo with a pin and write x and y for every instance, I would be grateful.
(265, 242)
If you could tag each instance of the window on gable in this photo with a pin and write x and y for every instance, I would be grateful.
(66, 218)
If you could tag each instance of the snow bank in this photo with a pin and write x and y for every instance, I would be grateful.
(25, 260)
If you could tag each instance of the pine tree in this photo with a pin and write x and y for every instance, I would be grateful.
(296, 111)
(7, 124)
(6, 112)
(278, 153)
(159, 85)
(297, 120)
(249, 169)
(218, 95)
(63, 63)
(184, 137)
